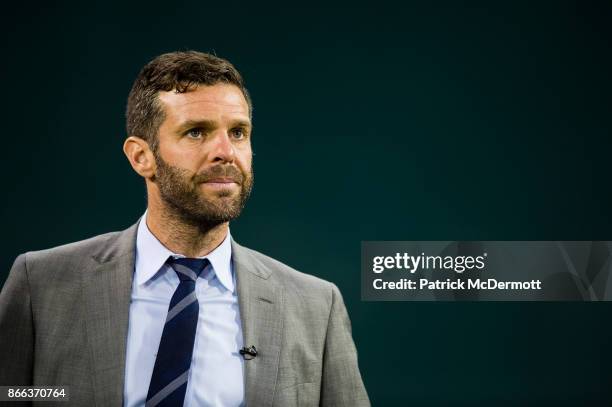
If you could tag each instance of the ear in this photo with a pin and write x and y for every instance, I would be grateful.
(140, 156)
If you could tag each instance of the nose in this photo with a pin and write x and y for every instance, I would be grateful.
(222, 148)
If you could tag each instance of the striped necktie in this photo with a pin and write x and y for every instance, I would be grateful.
(169, 380)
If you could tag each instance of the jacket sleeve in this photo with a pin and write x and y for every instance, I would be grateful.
(341, 383)
(16, 328)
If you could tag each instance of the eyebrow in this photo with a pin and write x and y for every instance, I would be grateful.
(211, 124)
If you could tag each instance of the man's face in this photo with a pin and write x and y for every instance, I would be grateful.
(204, 158)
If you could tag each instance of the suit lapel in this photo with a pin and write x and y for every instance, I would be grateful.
(261, 301)
(108, 285)
(107, 290)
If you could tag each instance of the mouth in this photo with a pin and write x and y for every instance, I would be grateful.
(220, 183)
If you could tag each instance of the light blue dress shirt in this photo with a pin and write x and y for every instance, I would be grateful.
(216, 377)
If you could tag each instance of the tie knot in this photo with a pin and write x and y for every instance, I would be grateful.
(187, 269)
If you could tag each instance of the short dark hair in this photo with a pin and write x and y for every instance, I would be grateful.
(181, 71)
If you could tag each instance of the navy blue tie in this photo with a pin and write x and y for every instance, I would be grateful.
(171, 371)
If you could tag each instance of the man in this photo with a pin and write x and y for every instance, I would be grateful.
(172, 310)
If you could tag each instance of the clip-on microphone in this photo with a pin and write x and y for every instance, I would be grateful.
(248, 353)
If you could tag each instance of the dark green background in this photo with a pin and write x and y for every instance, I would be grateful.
(419, 121)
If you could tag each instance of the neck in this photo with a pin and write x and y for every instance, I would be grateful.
(182, 237)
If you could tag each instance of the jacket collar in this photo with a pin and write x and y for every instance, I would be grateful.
(107, 292)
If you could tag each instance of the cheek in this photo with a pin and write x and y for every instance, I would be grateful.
(188, 161)
(245, 158)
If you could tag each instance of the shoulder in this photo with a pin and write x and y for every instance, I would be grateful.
(292, 280)
(80, 254)
(87, 247)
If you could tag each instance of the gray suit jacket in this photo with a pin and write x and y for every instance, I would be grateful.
(64, 321)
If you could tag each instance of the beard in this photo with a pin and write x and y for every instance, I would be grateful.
(182, 194)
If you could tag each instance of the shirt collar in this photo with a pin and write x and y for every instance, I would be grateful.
(151, 255)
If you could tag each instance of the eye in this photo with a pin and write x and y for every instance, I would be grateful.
(195, 133)
(238, 133)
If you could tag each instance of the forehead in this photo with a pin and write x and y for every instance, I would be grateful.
(215, 102)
